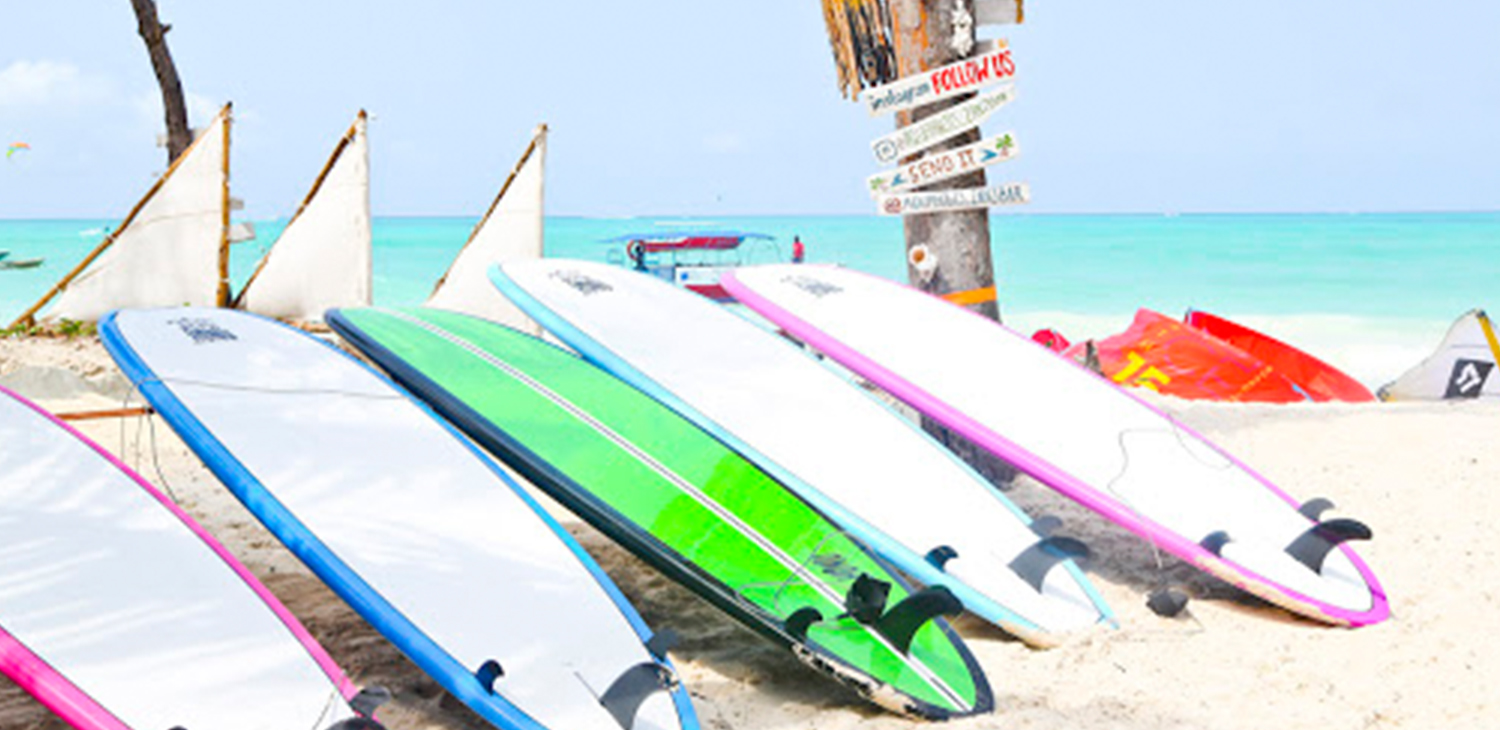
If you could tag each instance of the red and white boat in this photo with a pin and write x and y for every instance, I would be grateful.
(694, 260)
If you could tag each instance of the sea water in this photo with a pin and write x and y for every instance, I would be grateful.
(1370, 293)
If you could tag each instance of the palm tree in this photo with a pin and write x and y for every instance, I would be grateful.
(155, 36)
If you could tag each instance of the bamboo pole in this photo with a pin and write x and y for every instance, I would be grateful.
(338, 151)
(223, 296)
(28, 318)
(107, 413)
(541, 131)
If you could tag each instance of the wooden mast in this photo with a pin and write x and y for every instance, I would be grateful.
(28, 318)
(541, 131)
(338, 151)
(223, 295)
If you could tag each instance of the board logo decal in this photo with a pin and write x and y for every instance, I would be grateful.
(815, 287)
(1468, 378)
(202, 331)
(835, 565)
(585, 284)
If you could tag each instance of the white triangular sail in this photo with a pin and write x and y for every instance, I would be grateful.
(172, 249)
(1464, 366)
(322, 258)
(510, 231)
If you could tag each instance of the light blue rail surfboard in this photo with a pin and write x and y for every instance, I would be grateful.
(872, 472)
(119, 612)
(425, 537)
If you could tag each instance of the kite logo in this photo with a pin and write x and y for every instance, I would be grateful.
(1468, 378)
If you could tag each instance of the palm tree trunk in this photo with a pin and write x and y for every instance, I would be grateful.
(154, 34)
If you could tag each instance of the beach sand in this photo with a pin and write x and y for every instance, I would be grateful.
(1425, 477)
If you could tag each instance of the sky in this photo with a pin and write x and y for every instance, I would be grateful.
(669, 107)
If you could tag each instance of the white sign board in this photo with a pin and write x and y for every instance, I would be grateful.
(945, 165)
(970, 74)
(942, 126)
(997, 12)
(963, 199)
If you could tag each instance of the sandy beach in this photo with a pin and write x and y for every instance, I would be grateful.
(1423, 476)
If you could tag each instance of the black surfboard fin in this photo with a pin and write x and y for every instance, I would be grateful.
(662, 642)
(1167, 602)
(1035, 562)
(801, 620)
(630, 690)
(1045, 525)
(487, 673)
(1215, 542)
(866, 599)
(369, 699)
(1314, 508)
(1311, 548)
(940, 555)
(900, 624)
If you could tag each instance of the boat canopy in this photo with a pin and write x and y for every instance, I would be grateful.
(668, 240)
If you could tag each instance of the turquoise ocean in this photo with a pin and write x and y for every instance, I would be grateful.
(1370, 293)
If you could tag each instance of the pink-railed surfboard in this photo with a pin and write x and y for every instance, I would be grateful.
(117, 611)
(1077, 433)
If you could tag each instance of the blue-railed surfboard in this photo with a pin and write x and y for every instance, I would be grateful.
(418, 531)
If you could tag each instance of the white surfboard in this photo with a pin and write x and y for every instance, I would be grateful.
(871, 471)
(420, 533)
(118, 611)
(1077, 433)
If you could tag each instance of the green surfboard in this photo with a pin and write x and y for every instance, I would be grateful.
(683, 502)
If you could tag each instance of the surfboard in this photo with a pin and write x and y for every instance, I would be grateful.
(681, 501)
(1077, 433)
(118, 611)
(426, 538)
(872, 472)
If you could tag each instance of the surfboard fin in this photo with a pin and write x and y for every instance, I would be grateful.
(801, 620)
(940, 555)
(1045, 525)
(630, 690)
(866, 604)
(662, 642)
(1311, 548)
(866, 599)
(1314, 508)
(369, 699)
(1035, 562)
(488, 672)
(1215, 542)
(900, 624)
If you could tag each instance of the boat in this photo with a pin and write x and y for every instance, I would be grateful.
(692, 259)
(19, 263)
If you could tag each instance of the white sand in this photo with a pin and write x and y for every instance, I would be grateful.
(1426, 478)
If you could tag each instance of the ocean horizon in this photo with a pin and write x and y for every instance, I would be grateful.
(1371, 293)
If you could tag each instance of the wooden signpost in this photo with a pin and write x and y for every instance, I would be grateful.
(949, 200)
(942, 126)
(970, 74)
(938, 166)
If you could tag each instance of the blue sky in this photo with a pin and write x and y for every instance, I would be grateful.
(710, 108)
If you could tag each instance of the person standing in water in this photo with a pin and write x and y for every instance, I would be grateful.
(799, 252)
